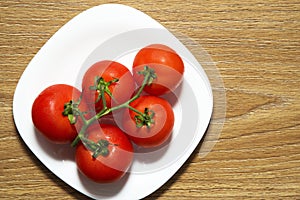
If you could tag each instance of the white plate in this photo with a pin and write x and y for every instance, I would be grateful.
(113, 31)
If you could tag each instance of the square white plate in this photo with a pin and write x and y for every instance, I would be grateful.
(117, 32)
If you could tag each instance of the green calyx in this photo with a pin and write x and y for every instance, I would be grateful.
(71, 111)
(99, 148)
(149, 73)
(144, 119)
(102, 87)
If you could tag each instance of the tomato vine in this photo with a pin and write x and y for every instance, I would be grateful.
(71, 110)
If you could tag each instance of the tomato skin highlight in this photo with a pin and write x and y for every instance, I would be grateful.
(158, 132)
(108, 70)
(110, 168)
(47, 114)
(167, 64)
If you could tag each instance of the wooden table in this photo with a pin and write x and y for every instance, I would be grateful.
(256, 47)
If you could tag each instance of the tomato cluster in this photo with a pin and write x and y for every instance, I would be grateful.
(104, 151)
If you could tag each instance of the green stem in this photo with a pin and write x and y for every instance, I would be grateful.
(80, 135)
(149, 75)
(103, 97)
(135, 110)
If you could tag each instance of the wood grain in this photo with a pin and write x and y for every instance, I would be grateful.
(255, 45)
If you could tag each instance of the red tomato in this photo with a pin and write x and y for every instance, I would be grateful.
(109, 71)
(47, 114)
(167, 64)
(114, 163)
(161, 123)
